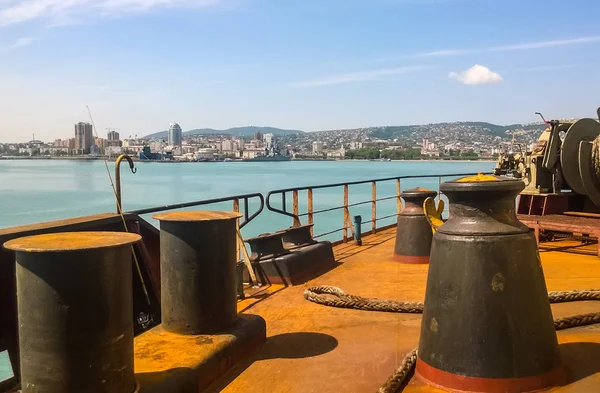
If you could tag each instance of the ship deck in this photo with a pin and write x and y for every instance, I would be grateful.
(315, 348)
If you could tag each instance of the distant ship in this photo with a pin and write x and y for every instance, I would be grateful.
(267, 158)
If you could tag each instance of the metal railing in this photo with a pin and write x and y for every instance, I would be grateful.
(235, 199)
(347, 220)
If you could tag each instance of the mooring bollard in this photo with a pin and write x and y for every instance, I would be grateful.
(487, 324)
(198, 255)
(75, 312)
(413, 233)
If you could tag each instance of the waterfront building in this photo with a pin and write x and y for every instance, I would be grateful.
(175, 135)
(84, 137)
(112, 136)
(317, 147)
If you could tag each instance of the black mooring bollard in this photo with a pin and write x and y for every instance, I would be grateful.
(198, 255)
(413, 233)
(75, 307)
(358, 230)
(487, 324)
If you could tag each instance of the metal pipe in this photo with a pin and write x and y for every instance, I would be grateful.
(358, 230)
(75, 302)
(198, 256)
(118, 177)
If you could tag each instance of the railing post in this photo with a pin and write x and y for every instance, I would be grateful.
(399, 200)
(295, 207)
(310, 209)
(347, 219)
(346, 214)
(374, 207)
(236, 208)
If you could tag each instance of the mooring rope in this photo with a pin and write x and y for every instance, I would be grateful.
(596, 157)
(336, 297)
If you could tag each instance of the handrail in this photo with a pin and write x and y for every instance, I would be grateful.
(348, 224)
(118, 178)
(235, 199)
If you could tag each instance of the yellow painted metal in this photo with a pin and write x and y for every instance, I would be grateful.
(479, 178)
(433, 214)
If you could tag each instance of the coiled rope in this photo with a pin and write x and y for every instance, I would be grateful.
(336, 297)
(596, 157)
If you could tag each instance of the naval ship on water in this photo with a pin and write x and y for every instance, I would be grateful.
(463, 293)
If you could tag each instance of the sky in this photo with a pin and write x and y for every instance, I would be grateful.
(297, 64)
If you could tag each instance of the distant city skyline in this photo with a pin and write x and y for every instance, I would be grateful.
(309, 65)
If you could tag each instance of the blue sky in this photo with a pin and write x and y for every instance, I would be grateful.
(301, 64)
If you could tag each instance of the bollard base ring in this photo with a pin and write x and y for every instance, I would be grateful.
(460, 383)
(411, 259)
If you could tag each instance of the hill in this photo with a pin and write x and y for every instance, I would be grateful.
(236, 131)
(483, 128)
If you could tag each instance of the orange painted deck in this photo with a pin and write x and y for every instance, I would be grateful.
(314, 348)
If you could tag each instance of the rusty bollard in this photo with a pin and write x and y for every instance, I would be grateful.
(75, 312)
(198, 255)
(413, 233)
(487, 324)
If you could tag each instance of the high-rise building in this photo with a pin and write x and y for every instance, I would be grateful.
(112, 136)
(84, 137)
(317, 147)
(258, 136)
(175, 135)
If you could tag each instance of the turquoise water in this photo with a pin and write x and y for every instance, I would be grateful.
(33, 191)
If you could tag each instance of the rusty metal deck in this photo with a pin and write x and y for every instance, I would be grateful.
(314, 348)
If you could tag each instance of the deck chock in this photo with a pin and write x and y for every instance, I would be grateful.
(290, 256)
(266, 245)
(413, 234)
(198, 255)
(297, 236)
(487, 324)
(74, 301)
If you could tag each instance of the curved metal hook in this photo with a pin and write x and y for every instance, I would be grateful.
(118, 177)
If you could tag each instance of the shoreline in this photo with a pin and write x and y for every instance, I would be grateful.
(136, 159)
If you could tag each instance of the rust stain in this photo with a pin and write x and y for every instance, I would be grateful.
(498, 282)
(371, 345)
(200, 215)
(71, 241)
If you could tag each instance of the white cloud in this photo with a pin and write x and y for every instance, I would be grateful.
(545, 44)
(17, 11)
(476, 75)
(23, 41)
(503, 48)
(93, 87)
(361, 76)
